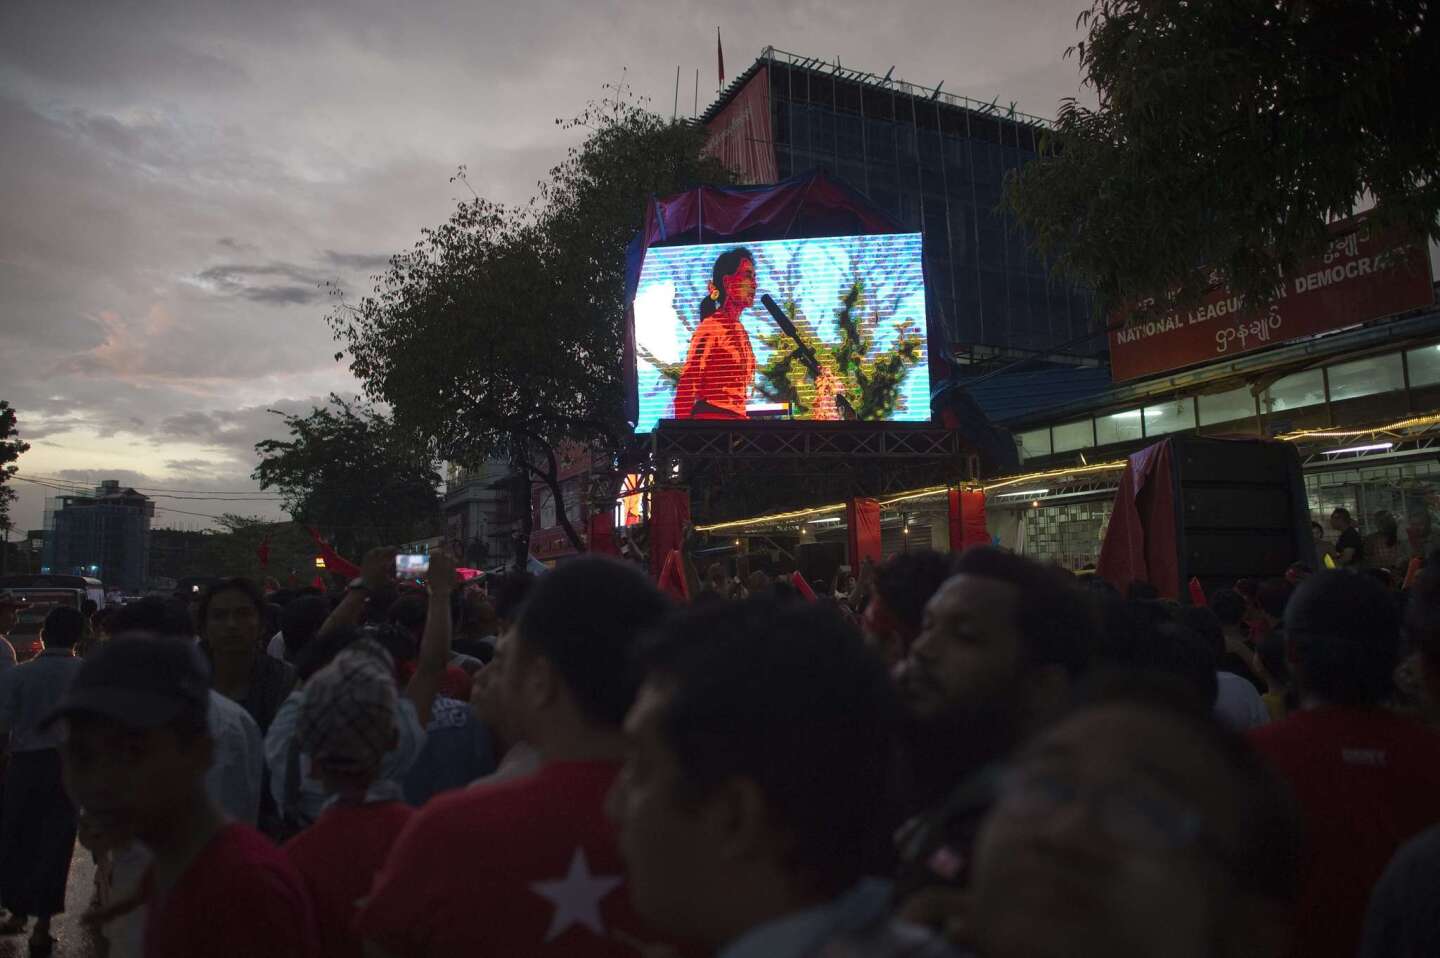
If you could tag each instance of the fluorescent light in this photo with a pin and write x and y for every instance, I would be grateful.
(1027, 492)
(817, 522)
(1373, 447)
(1128, 414)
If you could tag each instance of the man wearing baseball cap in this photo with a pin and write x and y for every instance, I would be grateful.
(135, 757)
(10, 606)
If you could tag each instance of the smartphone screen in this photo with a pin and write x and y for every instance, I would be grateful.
(411, 566)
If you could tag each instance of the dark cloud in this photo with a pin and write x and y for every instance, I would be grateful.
(369, 262)
(180, 179)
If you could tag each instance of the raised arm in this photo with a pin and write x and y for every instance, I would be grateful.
(435, 644)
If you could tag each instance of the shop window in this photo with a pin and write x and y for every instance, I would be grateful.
(1227, 406)
(1366, 377)
(1424, 366)
(1294, 392)
(1074, 435)
(1034, 443)
(1170, 417)
(1118, 427)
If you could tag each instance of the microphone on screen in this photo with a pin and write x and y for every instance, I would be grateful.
(804, 352)
(807, 355)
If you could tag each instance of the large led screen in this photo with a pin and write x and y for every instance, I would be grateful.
(816, 329)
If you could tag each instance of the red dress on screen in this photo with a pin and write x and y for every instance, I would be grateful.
(718, 371)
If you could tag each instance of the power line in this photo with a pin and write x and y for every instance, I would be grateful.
(69, 485)
(148, 489)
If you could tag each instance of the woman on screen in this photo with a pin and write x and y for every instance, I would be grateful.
(720, 365)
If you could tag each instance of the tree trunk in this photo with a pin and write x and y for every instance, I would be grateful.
(551, 479)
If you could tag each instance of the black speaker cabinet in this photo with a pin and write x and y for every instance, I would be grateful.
(1241, 510)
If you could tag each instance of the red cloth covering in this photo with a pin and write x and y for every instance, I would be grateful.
(239, 898)
(334, 562)
(1366, 780)
(602, 533)
(338, 858)
(669, 515)
(1140, 542)
(863, 517)
(672, 578)
(541, 873)
(967, 519)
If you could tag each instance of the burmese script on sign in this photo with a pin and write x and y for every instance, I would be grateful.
(1365, 274)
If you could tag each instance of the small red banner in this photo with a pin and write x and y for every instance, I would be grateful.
(1365, 274)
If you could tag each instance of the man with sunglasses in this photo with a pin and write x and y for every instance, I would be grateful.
(1135, 826)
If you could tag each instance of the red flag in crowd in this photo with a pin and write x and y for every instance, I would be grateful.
(672, 577)
(1197, 593)
(334, 561)
(263, 553)
(802, 587)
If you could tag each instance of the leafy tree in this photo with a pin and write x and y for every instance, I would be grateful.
(11, 448)
(234, 549)
(354, 474)
(1228, 134)
(501, 332)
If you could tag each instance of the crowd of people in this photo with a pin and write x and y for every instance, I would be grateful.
(949, 755)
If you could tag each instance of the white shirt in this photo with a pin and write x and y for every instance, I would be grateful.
(397, 761)
(233, 781)
(276, 648)
(1238, 705)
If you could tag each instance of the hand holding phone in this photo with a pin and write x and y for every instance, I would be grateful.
(411, 566)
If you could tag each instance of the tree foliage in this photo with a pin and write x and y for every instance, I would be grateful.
(501, 332)
(11, 448)
(353, 473)
(234, 549)
(1227, 135)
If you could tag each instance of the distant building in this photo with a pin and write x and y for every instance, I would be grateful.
(105, 535)
(480, 514)
(934, 161)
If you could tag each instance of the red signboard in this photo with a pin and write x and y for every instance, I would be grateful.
(1365, 274)
(740, 133)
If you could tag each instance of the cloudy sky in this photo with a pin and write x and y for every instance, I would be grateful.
(178, 179)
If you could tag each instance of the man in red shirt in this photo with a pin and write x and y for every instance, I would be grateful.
(346, 725)
(135, 758)
(541, 873)
(1366, 779)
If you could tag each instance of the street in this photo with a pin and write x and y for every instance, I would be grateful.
(74, 941)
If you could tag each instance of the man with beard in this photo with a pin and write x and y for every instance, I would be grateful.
(1002, 642)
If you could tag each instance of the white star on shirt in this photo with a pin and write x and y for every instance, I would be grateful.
(576, 897)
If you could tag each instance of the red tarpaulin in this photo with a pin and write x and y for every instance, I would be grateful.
(602, 533)
(669, 515)
(863, 516)
(1140, 543)
(967, 519)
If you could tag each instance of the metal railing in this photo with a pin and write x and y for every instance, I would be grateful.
(993, 108)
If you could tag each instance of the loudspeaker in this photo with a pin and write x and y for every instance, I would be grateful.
(820, 560)
(1241, 510)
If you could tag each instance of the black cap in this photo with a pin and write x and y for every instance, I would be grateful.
(140, 682)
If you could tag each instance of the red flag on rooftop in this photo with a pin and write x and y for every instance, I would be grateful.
(720, 57)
